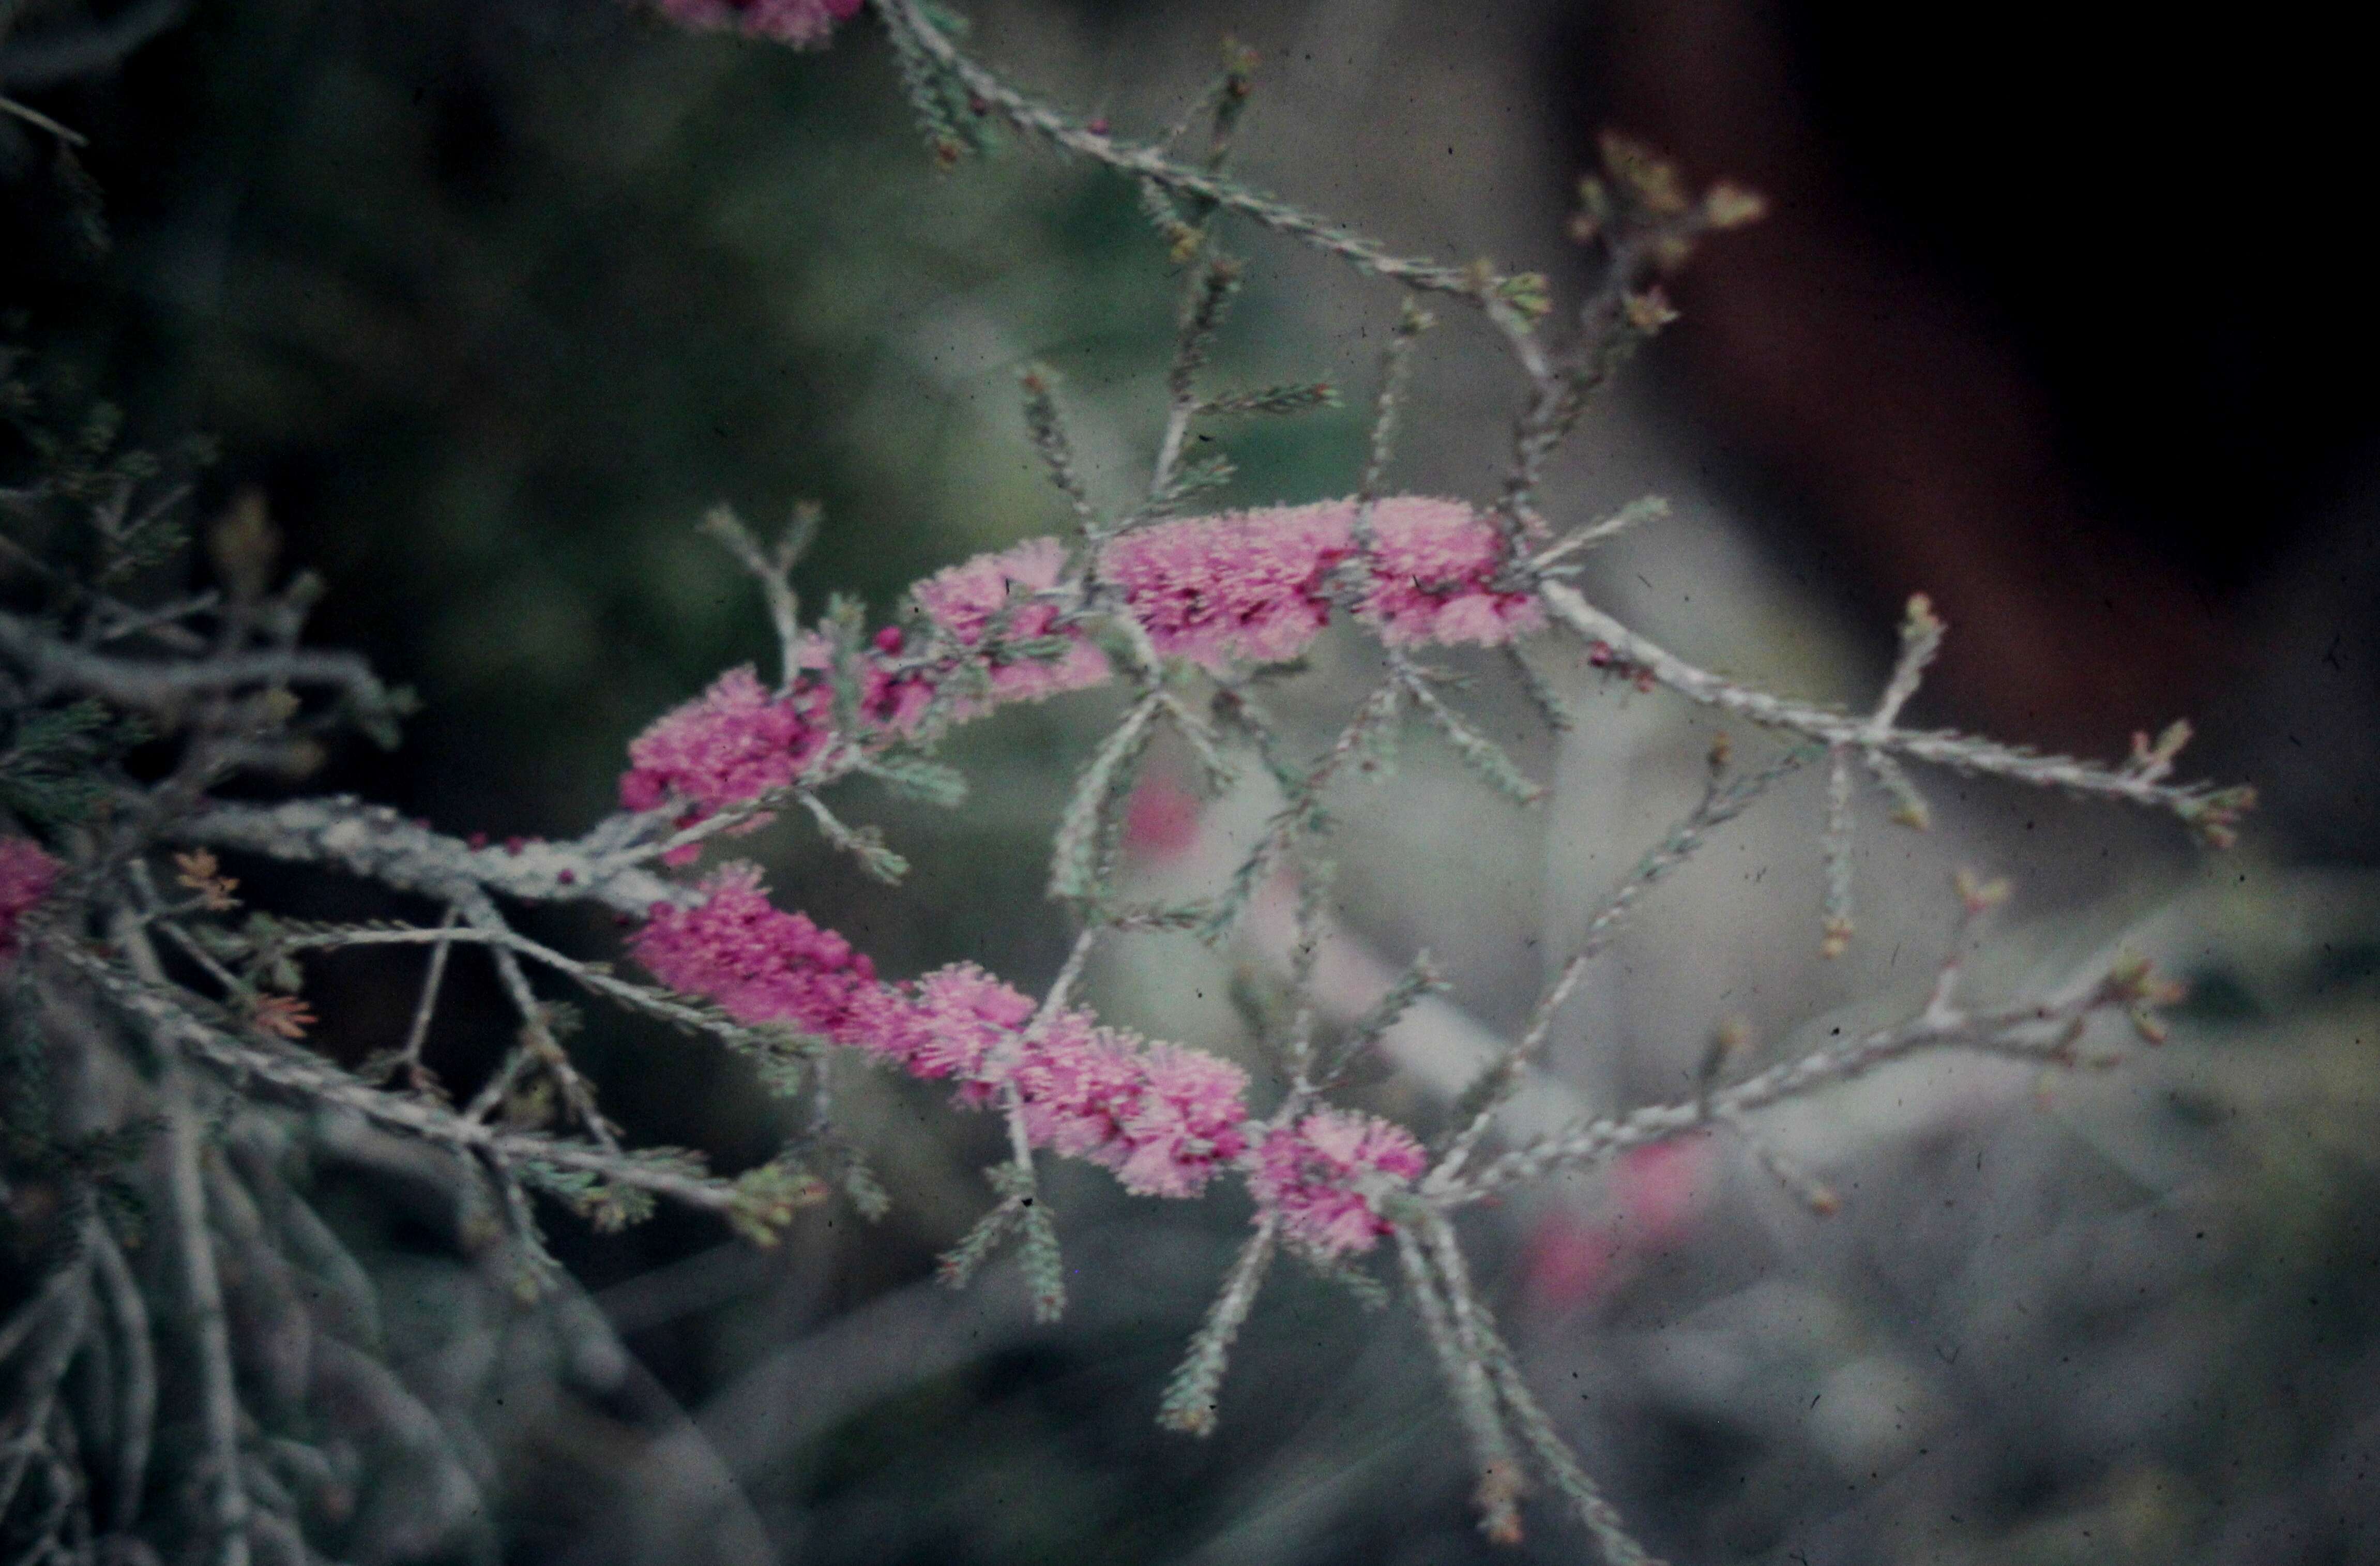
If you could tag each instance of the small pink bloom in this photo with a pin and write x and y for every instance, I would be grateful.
(26, 875)
(1162, 819)
(1434, 563)
(1566, 1262)
(1248, 586)
(804, 24)
(1256, 587)
(1326, 1174)
(1076, 1081)
(894, 701)
(1187, 1121)
(1661, 1189)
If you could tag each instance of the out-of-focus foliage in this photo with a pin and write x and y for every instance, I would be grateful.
(496, 301)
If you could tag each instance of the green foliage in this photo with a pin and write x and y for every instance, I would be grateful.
(767, 1196)
(89, 512)
(912, 776)
(52, 771)
(51, 1178)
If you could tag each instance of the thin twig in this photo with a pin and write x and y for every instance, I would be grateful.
(408, 1059)
(1149, 164)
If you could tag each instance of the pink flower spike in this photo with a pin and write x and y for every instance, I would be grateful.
(963, 599)
(960, 1015)
(1326, 1175)
(762, 965)
(1434, 565)
(26, 875)
(803, 24)
(1256, 587)
(1249, 586)
(1190, 1120)
(735, 742)
(1077, 1081)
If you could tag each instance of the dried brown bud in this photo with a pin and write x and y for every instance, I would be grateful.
(284, 1017)
(1649, 180)
(1649, 311)
(243, 545)
(1727, 205)
(1920, 620)
(200, 872)
(1977, 895)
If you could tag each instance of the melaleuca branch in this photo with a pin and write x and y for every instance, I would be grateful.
(2047, 1031)
(2212, 813)
(117, 916)
(162, 689)
(910, 26)
(304, 1079)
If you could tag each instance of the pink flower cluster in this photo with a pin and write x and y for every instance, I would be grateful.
(1163, 1118)
(963, 599)
(1253, 586)
(759, 963)
(1249, 587)
(739, 740)
(26, 875)
(1256, 585)
(804, 24)
(735, 742)
(1326, 1174)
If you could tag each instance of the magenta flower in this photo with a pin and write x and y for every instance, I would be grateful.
(804, 24)
(1249, 586)
(1253, 587)
(1189, 1119)
(1434, 565)
(891, 697)
(26, 875)
(963, 599)
(1257, 587)
(762, 965)
(1326, 1175)
(1163, 1118)
(1076, 1081)
(959, 1018)
(735, 742)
